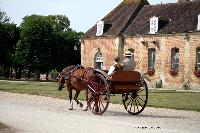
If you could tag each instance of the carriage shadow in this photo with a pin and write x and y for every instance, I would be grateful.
(155, 116)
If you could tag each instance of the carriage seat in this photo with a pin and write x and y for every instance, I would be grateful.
(125, 81)
(126, 76)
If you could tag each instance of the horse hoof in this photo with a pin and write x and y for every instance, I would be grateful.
(70, 108)
(85, 109)
(80, 105)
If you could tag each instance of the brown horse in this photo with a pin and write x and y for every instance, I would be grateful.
(75, 77)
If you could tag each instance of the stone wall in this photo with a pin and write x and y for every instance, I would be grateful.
(108, 46)
(115, 46)
(187, 44)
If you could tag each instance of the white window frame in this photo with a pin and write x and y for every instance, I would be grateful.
(175, 58)
(153, 25)
(151, 58)
(99, 60)
(198, 58)
(100, 27)
(198, 23)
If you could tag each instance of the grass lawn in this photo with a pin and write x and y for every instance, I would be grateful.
(157, 98)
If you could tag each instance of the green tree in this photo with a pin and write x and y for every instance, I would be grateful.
(59, 23)
(48, 43)
(19, 60)
(65, 39)
(9, 35)
(36, 38)
(3, 17)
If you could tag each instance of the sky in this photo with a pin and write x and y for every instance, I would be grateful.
(83, 14)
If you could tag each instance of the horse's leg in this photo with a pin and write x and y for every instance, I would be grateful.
(70, 97)
(76, 98)
(86, 98)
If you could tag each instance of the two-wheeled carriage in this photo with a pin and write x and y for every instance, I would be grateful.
(130, 84)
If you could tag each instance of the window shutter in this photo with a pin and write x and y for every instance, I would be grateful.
(100, 27)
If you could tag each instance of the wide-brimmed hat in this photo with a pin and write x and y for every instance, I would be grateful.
(128, 53)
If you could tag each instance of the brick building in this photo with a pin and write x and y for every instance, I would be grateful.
(164, 39)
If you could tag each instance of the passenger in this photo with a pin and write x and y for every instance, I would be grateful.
(128, 63)
(115, 67)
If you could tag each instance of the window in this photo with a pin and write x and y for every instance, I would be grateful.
(198, 58)
(100, 27)
(99, 61)
(153, 25)
(132, 51)
(175, 58)
(198, 23)
(151, 57)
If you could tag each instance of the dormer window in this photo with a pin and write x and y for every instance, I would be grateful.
(198, 24)
(153, 25)
(100, 27)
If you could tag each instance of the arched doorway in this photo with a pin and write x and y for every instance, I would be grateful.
(99, 61)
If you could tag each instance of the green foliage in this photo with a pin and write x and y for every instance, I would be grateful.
(3, 17)
(58, 22)
(159, 84)
(9, 35)
(53, 71)
(186, 85)
(36, 38)
(48, 42)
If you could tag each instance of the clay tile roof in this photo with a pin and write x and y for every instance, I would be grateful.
(120, 17)
(173, 18)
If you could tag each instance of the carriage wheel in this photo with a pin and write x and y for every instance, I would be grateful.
(134, 103)
(99, 95)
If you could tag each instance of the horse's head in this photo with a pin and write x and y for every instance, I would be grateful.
(61, 81)
(62, 76)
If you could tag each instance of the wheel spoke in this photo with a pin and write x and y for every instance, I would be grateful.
(128, 102)
(141, 90)
(131, 105)
(136, 105)
(99, 106)
(101, 103)
(141, 99)
(138, 102)
(90, 102)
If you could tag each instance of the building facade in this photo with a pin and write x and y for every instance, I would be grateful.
(164, 39)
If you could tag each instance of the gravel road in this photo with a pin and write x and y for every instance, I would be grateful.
(38, 114)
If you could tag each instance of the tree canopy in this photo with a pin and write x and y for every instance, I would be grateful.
(9, 35)
(48, 42)
(39, 44)
(3, 17)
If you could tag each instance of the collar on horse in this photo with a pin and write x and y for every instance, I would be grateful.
(69, 74)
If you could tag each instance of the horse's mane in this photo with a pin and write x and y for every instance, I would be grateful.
(67, 69)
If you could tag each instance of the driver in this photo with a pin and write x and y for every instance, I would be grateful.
(115, 67)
